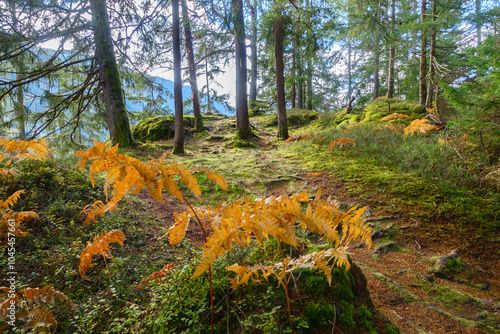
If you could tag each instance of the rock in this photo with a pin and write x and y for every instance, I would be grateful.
(158, 128)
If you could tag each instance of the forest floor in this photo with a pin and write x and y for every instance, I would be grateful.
(463, 296)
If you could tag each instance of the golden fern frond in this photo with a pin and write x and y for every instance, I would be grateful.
(19, 150)
(100, 245)
(394, 116)
(157, 275)
(178, 231)
(11, 200)
(212, 176)
(422, 126)
(354, 227)
(41, 320)
(277, 217)
(45, 295)
(186, 176)
(340, 143)
(7, 172)
(95, 209)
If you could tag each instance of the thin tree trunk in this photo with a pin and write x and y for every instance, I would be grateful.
(392, 52)
(280, 80)
(300, 91)
(179, 114)
(20, 69)
(208, 86)
(253, 57)
(19, 108)
(198, 121)
(242, 120)
(423, 55)
(478, 22)
(432, 60)
(309, 84)
(293, 93)
(376, 61)
(114, 101)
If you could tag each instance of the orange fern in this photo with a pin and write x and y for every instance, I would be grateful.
(422, 126)
(10, 221)
(157, 275)
(36, 315)
(242, 221)
(100, 245)
(340, 143)
(393, 116)
(127, 174)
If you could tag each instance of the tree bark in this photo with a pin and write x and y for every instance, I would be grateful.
(300, 90)
(376, 61)
(423, 55)
(253, 57)
(293, 93)
(309, 83)
(242, 120)
(198, 121)
(208, 86)
(478, 22)
(392, 52)
(280, 80)
(179, 114)
(114, 101)
(432, 60)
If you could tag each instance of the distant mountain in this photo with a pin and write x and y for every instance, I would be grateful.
(168, 85)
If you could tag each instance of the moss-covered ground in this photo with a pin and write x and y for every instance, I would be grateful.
(435, 198)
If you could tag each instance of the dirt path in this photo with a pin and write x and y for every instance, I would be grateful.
(463, 298)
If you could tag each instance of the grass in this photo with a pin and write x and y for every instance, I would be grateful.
(416, 170)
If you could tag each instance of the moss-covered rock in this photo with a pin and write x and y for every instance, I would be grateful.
(382, 107)
(378, 109)
(158, 128)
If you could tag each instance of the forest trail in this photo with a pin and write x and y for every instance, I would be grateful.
(400, 267)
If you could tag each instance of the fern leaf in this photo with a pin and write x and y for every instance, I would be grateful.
(393, 116)
(178, 231)
(212, 176)
(12, 199)
(100, 245)
(187, 177)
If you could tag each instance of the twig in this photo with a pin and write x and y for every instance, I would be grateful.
(380, 218)
(419, 247)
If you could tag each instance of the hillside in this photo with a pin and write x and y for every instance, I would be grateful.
(433, 265)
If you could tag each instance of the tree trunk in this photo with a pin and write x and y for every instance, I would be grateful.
(309, 84)
(478, 22)
(208, 86)
(179, 114)
(432, 60)
(293, 93)
(242, 120)
(423, 55)
(376, 61)
(253, 57)
(114, 101)
(198, 121)
(392, 52)
(280, 80)
(19, 108)
(300, 91)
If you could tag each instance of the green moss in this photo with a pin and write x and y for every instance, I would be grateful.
(391, 329)
(158, 128)
(318, 314)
